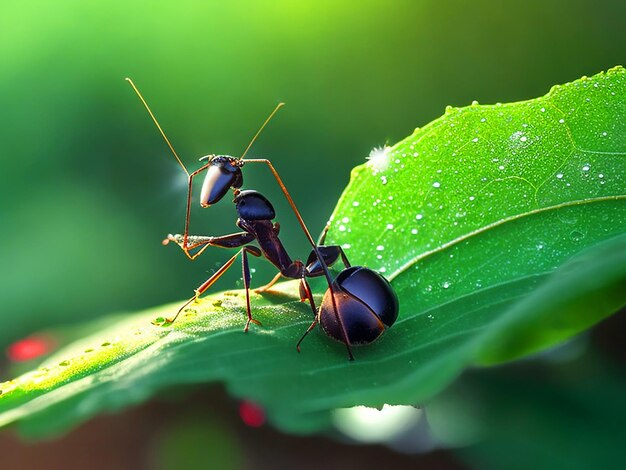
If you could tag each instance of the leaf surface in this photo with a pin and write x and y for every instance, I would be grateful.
(500, 227)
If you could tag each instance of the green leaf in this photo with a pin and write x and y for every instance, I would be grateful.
(502, 228)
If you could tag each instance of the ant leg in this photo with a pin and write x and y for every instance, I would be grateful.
(200, 290)
(329, 279)
(233, 240)
(246, 282)
(322, 237)
(308, 330)
(305, 293)
(269, 285)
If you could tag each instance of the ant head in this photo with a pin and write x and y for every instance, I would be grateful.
(222, 174)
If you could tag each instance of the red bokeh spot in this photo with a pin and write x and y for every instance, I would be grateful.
(29, 348)
(251, 414)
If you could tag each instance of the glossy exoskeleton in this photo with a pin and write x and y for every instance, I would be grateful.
(359, 303)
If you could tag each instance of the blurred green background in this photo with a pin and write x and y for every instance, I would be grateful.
(89, 189)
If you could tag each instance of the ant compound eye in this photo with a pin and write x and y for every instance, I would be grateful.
(366, 304)
(220, 177)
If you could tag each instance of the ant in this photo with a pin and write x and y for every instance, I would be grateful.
(359, 303)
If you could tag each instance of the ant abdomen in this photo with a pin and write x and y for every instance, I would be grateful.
(366, 303)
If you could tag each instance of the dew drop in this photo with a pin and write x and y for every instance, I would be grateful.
(445, 285)
(382, 270)
(436, 184)
(345, 220)
(586, 168)
(355, 204)
(475, 139)
(577, 236)
(414, 231)
(419, 216)
(389, 226)
(380, 248)
(523, 138)
(559, 175)
(471, 198)
(342, 228)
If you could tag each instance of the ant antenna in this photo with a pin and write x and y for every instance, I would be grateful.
(159, 127)
(280, 105)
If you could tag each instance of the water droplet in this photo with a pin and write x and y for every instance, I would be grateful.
(474, 103)
(383, 179)
(561, 121)
(414, 231)
(577, 236)
(345, 220)
(501, 167)
(419, 216)
(543, 110)
(346, 246)
(389, 226)
(482, 119)
(355, 204)
(586, 168)
(382, 270)
(471, 198)
(559, 175)
(475, 139)
(600, 176)
(523, 138)
(445, 285)
(436, 184)
(380, 248)
(342, 228)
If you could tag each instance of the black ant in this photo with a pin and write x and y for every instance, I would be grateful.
(359, 303)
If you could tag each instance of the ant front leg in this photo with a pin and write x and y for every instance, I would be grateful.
(233, 240)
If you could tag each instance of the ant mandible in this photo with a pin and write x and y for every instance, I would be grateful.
(359, 303)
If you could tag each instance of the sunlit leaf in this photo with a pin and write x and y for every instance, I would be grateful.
(501, 228)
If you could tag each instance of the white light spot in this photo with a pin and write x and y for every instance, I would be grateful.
(561, 121)
(586, 168)
(523, 138)
(382, 270)
(379, 158)
(471, 198)
(346, 246)
(380, 248)
(414, 231)
(559, 175)
(345, 220)
(355, 204)
(342, 228)
(543, 110)
(445, 285)
(389, 226)
(475, 139)
(436, 184)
